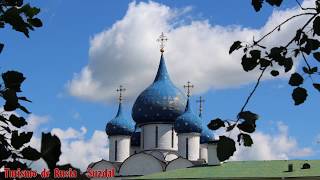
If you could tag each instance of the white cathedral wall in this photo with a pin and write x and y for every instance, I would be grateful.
(148, 137)
(134, 149)
(141, 164)
(123, 148)
(204, 152)
(193, 145)
(212, 154)
(178, 163)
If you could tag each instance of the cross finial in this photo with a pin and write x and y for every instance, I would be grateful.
(200, 101)
(188, 87)
(120, 90)
(162, 39)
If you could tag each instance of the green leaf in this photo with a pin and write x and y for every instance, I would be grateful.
(24, 99)
(18, 140)
(264, 63)
(248, 64)
(316, 26)
(245, 138)
(216, 124)
(257, 4)
(17, 121)
(317, 86)
(225, 148)
(50, 149)
(22, 108)
(296, 79)
(247, 126)
(11, 98)
(274, 2)
(235, 46)
(30, 153)
(1, 47)
(4, 152)
(299, 95)
(248, 116)
(274, 73)
(36, 22)
(255, 54)
(316, 55)
(29, 11)
(13, 17)
(13, 80)
(288, 63)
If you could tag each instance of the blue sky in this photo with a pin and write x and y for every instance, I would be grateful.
(53, 54)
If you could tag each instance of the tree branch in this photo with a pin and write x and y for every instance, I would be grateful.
(284, 22)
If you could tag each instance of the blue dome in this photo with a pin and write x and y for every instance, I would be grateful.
(206, 134)
(188, 122)
(161, 102)
(135, 138)
(120, 125)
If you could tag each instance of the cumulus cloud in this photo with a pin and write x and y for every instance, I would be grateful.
(80, 152)
(127, 54)
(76, 149)
(272, 146)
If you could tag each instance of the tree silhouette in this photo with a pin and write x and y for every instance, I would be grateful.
(13, 140)
(256, 55)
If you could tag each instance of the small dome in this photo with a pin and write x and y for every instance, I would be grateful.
(188, 122)
(162, 101)
(206, 134)
(135, 138)
(120, 125)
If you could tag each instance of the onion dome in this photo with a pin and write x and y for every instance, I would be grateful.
(207, 135)
(120, 125)
(188, 122)
(135, 138)
(161, 102)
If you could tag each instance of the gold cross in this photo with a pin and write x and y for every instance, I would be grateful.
(162, 39)
(200, 101)
(188, 87)
(120, 90)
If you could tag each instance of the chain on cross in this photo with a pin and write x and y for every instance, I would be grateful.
(188, 87)
(162, 39)
(200, 101)
(120, 90)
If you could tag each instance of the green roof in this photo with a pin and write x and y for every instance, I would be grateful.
(242, 170)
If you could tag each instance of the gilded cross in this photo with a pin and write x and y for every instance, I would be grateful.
(188, 87)
(200, 101)
(162, 39)
(120, 90)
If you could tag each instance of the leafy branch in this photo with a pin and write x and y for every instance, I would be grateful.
(304, 43)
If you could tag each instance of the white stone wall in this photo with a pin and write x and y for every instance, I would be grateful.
(123, 150)
(141, 164)
(204, 152)
(134, 149)
(212, 154)
(103, 165)
(178, 163)
(193, 145)
(148, 137)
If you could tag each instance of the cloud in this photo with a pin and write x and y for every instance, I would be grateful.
(80, 152)
(272, 147)
(127, 53)
(34, 122)
(76, 148)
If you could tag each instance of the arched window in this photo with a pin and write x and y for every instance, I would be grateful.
(156, 136)
(187, 148)
(172, 136)
(115, 150)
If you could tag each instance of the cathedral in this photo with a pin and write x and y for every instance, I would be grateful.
(165, 133)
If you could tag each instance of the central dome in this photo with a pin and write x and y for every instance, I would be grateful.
(161, 102)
